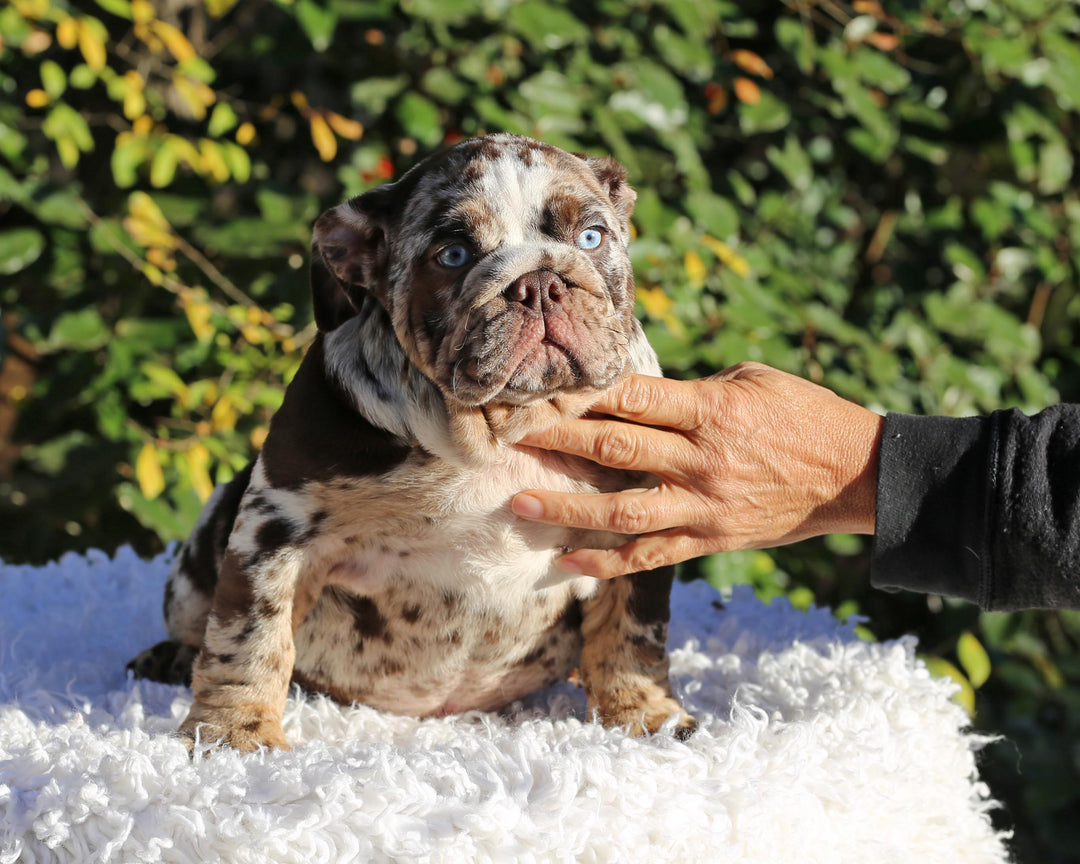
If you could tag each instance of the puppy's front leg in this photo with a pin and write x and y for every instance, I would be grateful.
(241, 677)
(624, 661)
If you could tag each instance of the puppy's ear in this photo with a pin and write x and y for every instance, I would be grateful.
(612, 177)
(348, 254)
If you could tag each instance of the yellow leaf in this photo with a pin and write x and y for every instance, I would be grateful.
(349, 129)
(258, 437)
(211, 161)
(161, 259)
(965, 696)
(224, 415)
(91, 44)
(174, 40)
(148, 472)
(155, 276)
(323, 137)
(747, 91)
(37, 98)
(198, 462)
(134, 100)
(299, 100)
(68, 151)
(195, 95)
(142, 11)
(144, 32)
(32, 8)
(695, 269)
(147, 225)
(727, 256)
(659, 306)
(67, 33)
(245, 134)
(973, 658)
(217, 8)
(752, 63)
(143, 125)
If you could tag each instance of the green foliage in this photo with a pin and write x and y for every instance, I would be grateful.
(880, 199)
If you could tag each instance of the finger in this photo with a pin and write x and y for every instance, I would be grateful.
(634, 511)
(653, 402)
(637, 556)
(616, 444)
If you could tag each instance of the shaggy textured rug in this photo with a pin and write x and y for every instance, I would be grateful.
(813, 747)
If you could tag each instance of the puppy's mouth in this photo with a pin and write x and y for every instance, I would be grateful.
(545, 334)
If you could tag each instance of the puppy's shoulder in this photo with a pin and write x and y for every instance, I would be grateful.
(318, 435)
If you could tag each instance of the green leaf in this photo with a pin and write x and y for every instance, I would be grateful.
(119, 8)
(547, 26)
(236, 157)
(655, 96)
(446, 12)
(793, 163)
(877, 70)
(126, 159)
(713, 214)
(442, 84)
(1055, 167)
(82, 77)
(222, 119)
(973, 658)
(317, 22)
(375, 94)
(163, 165)
(768, 115)
(420, 119)
(689, 55)
(53, 79)
(19, 248)
(84, 330)
(797, 39)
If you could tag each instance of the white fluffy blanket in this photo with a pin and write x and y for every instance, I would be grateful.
(813, 747)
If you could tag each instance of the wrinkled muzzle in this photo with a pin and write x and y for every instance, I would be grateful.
(536, 323)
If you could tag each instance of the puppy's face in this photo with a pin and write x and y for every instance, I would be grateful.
(502, 263)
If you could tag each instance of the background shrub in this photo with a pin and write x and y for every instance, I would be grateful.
(879, 197)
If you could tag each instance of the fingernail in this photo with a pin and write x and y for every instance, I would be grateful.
(568, 565)
(527, 506)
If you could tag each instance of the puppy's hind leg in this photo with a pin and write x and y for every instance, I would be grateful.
(189, 589)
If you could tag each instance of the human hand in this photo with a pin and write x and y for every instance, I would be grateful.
(748, 458)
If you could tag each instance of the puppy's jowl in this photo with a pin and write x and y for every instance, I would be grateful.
(369, 553)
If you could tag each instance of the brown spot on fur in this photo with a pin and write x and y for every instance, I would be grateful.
(411, 613)
(368, 622)
(233, 596)
(270, 537)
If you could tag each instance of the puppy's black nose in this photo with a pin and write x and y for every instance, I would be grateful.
(538, 290)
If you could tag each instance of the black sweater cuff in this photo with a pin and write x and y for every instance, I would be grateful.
(987, 509)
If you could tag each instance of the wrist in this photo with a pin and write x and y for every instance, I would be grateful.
(857, 499)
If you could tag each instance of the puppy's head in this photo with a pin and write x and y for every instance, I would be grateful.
(502, 264)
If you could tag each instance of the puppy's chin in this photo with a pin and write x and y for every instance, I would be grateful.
(535, 373)
(481, 432)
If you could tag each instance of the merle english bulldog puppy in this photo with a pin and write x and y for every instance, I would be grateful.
(370, 552)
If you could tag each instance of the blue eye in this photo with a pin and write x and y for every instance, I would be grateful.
(454, 256)
(590, 239)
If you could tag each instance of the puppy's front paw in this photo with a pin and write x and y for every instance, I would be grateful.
(243, 730)
(646, 716)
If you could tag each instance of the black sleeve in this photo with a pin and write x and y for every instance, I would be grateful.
(983, 508)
